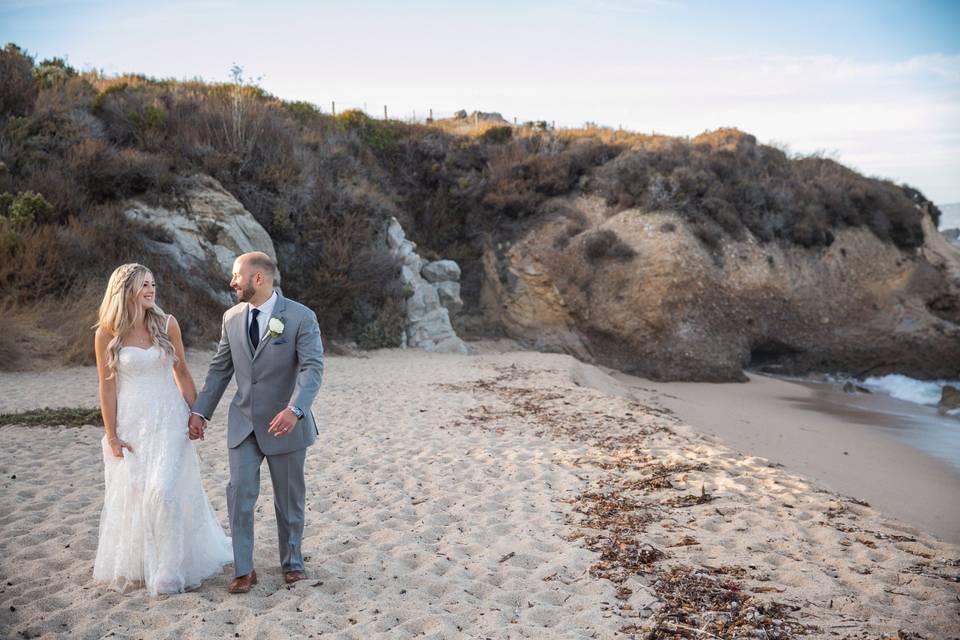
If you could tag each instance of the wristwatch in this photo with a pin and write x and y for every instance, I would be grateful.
(297, 411)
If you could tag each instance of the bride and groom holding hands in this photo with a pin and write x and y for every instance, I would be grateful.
(157, 528)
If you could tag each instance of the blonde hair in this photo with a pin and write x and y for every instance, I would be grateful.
(119, 312)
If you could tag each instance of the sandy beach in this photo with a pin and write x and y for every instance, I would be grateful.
(506, 494)
(815, 431)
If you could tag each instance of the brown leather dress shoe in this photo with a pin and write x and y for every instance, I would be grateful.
(293, 576)
(243, 584)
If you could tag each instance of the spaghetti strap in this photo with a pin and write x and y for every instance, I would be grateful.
(166, 327)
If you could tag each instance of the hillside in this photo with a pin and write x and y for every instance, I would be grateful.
(77, 148)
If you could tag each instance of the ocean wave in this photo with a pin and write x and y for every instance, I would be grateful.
(901, 387)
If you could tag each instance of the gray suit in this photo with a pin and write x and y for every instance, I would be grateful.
(286, 370)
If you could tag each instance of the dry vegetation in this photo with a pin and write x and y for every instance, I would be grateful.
(74, 146)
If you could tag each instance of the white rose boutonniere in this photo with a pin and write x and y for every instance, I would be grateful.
(275, 327)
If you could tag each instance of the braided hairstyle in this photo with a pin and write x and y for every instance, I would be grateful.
(119, 312)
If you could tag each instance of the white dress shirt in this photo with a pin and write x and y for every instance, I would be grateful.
(266, 309)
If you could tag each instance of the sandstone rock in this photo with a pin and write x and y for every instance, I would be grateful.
(949, 398)
(210, 227)
(441, 270)
(675, 312)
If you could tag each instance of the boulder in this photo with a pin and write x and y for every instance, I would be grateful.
(449, 293)
(207, 227)
(949, 398)
(441, 270)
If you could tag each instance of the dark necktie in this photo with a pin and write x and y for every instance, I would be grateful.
(255, 329)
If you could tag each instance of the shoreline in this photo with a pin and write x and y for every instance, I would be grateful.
(823, 434)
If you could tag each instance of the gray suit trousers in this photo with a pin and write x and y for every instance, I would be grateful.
(289, 495)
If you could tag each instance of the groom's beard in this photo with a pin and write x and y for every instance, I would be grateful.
(245, 294)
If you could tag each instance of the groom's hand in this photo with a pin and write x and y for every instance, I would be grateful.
(196, 425)
(283, 423)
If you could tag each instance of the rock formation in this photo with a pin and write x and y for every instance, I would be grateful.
(949, 398)
(209, 229)
(673, 311)
(434, 294)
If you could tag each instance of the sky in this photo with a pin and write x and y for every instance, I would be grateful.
(874, 84)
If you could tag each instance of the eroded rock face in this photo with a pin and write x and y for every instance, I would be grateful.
(434, 296)
(674, 312)
(211, 228)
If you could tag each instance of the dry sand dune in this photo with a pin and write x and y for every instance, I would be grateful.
(480, 496)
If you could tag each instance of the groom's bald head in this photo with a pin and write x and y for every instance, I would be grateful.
(258, 261)
(253, 276)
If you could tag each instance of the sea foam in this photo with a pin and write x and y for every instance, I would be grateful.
(902, 387)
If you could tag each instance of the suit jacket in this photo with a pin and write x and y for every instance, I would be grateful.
(285, 370)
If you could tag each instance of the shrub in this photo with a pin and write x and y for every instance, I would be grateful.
(18, 87)
(606, 244)
(496, 135)
(387, 330)
(29, 207)
(726, 178)
(107, 173)
(52, 71)
(6, 199)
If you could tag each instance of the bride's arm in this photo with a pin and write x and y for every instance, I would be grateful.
(108, 388)
(108, 394)
(180, 372)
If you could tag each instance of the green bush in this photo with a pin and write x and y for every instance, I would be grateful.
(53, 70)
(386, 331)
(29, 207)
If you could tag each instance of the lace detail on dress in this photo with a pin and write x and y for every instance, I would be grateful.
(157, 528)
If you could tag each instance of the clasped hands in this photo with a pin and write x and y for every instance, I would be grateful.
(282, 424)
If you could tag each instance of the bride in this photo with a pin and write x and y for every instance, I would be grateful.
(157, 528)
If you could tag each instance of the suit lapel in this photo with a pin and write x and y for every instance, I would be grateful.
(278, 308)
(245, 334)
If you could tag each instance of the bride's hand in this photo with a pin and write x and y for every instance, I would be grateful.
(117, 446)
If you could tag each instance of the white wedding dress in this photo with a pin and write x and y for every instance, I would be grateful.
(157, 528)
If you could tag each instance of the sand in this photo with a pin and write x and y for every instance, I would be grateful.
(816, 432)
(453, 496)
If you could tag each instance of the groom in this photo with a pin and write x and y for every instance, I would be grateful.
(273, 347)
